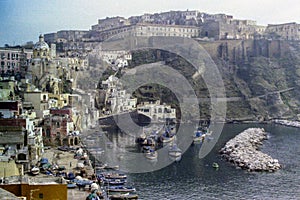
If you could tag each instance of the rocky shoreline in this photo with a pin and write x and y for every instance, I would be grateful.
(243, 151)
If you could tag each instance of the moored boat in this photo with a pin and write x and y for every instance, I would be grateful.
(123, 196)
(151, 155)
(121, 189)
(175, 151)
(199, 136)
(114, 176)
(35, 171)
(71, 185)
(114, 181)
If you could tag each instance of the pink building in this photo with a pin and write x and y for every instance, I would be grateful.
(11, 59)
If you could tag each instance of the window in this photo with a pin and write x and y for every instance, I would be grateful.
(2, 63)
(2, 55)
(8, 56)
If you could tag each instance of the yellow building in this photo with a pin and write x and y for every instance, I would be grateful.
(59, 100)
(51, 191)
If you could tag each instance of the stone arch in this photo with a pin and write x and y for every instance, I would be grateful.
(71, 141)
(65, 141)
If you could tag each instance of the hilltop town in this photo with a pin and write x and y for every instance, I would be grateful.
(54, 89)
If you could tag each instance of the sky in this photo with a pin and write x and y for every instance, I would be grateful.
(25, 20)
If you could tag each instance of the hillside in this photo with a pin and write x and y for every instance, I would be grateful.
(261, 78)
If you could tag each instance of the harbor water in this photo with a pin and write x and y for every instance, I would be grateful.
(194, 178)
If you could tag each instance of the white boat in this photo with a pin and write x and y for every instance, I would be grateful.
(152, 155)
(175, 151)
(200, 135)
(35, 171)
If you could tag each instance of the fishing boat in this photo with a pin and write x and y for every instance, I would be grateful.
(199, 136)
(114, 167)
(114, 181)
(123, 196)
(71, 185)
(121, 189)
(82, 183)
(175, 151)
(114, 176)
(35, 171)
(151, 155)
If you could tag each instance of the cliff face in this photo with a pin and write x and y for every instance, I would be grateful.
(261, 77)
(265, 73)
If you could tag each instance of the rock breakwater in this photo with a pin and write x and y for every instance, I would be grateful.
(287, 123)
(243, 151)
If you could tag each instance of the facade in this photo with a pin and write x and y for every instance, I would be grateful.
(288, 31)
(231, 29)
(13, 142)
(39, 102)
(156, 111)
(148, 30)
(13, 59)
(58, 125)
(31, 137)
(117, 100)
(10, 109)
(117, 59)
(7, 90)
(65, 36)
(166, 30)
(110, 23)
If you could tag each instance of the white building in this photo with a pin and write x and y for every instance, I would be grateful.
(117, 59)
(117, 100)
(156, 111)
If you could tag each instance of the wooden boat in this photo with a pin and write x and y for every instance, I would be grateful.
(114, 176)
(35, 171)
(71, 185)
(199, 136)
(123, 196)
(152, 155)
(175, 151)
(167, 136)
(82, 183)
(114, 181)
(215, 165)
(115, 167)
(121, 189)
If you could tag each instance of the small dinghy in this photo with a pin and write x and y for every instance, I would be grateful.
(35, 171)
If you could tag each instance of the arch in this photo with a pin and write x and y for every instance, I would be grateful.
(76, 140)
(22, 156)
(71, 141)
(65, 141)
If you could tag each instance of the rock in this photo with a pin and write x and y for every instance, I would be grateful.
(242, 150)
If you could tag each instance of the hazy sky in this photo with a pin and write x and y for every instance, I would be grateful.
(24, 20)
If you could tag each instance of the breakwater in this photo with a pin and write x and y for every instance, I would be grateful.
(243, 151)
(287, 123)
